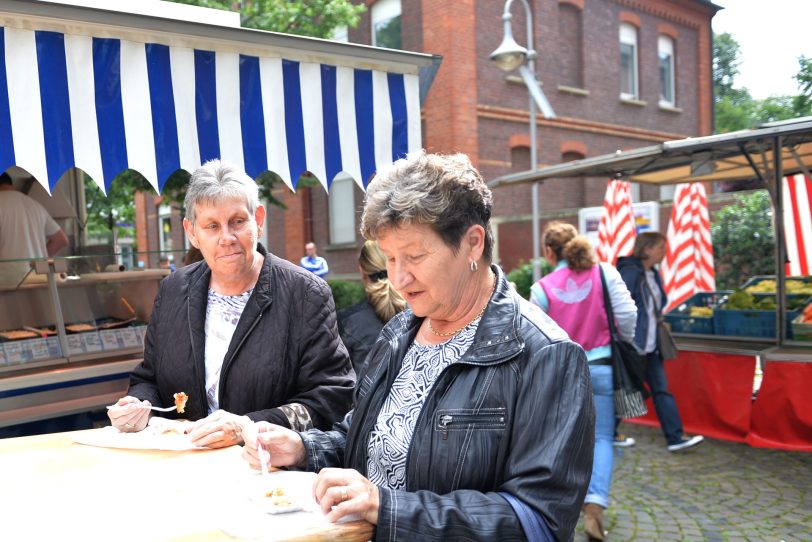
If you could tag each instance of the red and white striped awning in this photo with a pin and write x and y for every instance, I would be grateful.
(617, 229)
(688, 264)
(797, 198)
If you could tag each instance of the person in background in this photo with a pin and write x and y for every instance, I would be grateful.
(646, 286)
(165, 263)
(313, 262)
(27, 231)
(246, 335)
(192, 255)
(360, 325)
(572, 294)
(473, 417)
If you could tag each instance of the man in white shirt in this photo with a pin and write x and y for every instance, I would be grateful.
(26, 231)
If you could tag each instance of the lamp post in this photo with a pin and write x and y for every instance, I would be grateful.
(510, 56)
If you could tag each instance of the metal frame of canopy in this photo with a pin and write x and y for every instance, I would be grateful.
(735, 156)
(269, 101)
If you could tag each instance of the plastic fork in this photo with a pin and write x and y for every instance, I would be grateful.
(264, 459)
(158, 409)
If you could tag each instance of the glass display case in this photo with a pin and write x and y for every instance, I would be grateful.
(71, 330)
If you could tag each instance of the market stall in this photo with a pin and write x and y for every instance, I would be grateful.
(714, 374)
(155, 87)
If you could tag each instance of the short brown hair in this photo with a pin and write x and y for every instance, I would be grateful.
(566, 244)
(645, 241)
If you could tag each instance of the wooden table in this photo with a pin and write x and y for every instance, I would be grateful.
(56, 489)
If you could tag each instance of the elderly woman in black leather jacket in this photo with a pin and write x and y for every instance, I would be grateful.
(473, 417)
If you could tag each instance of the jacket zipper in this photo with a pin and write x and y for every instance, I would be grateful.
(463, 419)
(226, 363)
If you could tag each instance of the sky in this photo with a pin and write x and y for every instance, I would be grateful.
(772, 34)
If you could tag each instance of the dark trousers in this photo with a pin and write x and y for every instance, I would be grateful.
(664, 403)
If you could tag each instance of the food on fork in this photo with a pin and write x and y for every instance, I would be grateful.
(180, 401)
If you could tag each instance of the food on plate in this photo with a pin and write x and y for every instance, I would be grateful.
(180, 401)
(170, 431)
(278, 497)
(79, 328)
(16, 334)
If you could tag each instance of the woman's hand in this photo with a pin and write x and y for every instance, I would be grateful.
(284, 446)
(129, 415)
(219, 429)
(341, 492)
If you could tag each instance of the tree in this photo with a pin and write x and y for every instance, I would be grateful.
(804, 78)
(743, 239)
(725, 65)
(315, 18)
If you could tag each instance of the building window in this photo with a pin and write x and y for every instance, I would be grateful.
(165, 228)
(341, 33)
(628, 62)
(665, 51)
(385, 16)
(342, 210)
(570, 33)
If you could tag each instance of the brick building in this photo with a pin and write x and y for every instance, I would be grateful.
(619, 74)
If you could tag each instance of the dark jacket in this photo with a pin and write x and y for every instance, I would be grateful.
(359, 327)
(514, 415)
(634, 275)
(285, 350)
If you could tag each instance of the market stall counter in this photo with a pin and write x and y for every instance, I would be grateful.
(70, 333)
(63, 490)
(722, 392)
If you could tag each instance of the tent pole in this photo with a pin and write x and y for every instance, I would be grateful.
(780, 246)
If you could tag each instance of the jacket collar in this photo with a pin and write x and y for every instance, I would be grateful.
(497, 337)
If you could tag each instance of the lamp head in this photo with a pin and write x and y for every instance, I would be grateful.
(509, 55)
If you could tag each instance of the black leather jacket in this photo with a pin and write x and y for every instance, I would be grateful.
(514, 415)
(285, 364)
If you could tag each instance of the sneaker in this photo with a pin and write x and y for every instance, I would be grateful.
(622, 441)
(685, 443)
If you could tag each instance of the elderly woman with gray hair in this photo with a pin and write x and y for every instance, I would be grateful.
(246, 335)
(473, 417)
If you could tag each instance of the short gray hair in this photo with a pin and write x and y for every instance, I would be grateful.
(444, 192)
(217, 181)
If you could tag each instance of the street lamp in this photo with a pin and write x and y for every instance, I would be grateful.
(510, 56)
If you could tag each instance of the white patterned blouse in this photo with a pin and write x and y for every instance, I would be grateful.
(389, 440)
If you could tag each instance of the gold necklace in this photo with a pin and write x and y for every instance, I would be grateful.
(450, 333)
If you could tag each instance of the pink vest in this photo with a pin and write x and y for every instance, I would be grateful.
(575, 300)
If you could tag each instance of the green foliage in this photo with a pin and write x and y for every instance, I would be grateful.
(725, 65)
(346, 292)
(522, 276)
(735, 109)
(316, 18)
(116, 209)
(743, 240)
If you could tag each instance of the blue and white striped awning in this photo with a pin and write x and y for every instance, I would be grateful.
(105, 104)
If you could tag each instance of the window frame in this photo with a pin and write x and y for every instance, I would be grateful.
(384, 12)
(342, 190)
(666, 45)
(628, 35)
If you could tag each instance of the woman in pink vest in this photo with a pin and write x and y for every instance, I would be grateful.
(572, 295)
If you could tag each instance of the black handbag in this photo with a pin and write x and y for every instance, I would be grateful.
(628, 369)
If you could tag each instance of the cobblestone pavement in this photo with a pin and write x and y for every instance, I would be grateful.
(718, 491)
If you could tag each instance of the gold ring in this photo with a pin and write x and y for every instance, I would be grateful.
(344, 495)
(129, 426)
